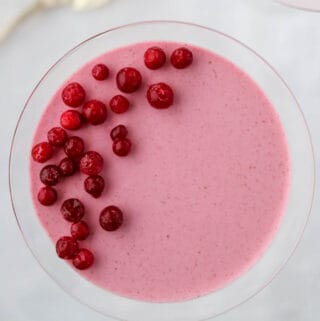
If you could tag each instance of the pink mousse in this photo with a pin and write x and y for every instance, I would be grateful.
(203, 190)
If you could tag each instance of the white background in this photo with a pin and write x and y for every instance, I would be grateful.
(289, 39)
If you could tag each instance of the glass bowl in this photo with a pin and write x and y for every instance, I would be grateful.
(300, 194)
(311, 5)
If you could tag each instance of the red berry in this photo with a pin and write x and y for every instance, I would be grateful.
(119, 104)
(74, 147)
(47, 196)
(42, 152)
(71, 119)
(111, 218)
(160, 96)
(95, 112)
(94, 185)
(72, 210)
(100, 72)
(154, 58)
(91, 163)
(181, 58)
(121, 147)
(83, 259)
(80, 230)
(57, 136)
(49, 175)
(67, 167)
(73, 95)
(128, 80)
(119, 132)
(66, 247)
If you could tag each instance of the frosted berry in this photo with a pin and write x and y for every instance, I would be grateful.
(129, 80)
(91, 163)
(121, 147)
(57, 136)
(47, 196)
(74, 147)
(42, 152)
(160, 95)
(181, 58)
(80, 230)
(67, 167)
(71, 119)
(119, 104)
(119, 132)
(100, 72)
(111, 218)
(73, 95)
(72, 210)
(154, 58)
(94, 185)
(66, 247)
(94, 112)
(83, 259)
(50, 175)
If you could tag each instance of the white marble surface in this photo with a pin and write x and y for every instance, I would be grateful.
(287, 38)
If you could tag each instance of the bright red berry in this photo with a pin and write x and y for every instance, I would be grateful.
(154, 58)
(111, 218)
(66, 247)
(72, 210)
(73, 95)
(119, 132)
(95, 112)
(94, 185)
(121, 147)
(71, 119)
(100, 72)
(50, 175)
(67, 167)
(160, 95)
(83, 259)
(74, 147)
(80, 230)
(91, 163)
(119, 104)
(57, 136)
(128, 80)
(181, 58)
(42, 152)
(47, 196)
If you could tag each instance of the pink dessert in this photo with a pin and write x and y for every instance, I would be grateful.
(202, 187)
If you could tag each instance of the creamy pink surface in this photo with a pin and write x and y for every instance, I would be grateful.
(203, 191)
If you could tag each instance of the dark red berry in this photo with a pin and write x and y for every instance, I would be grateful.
(100, 72)
(80, 230)
(91, 163)
(119, 104)
(83, 259)
(42, 152)
(121, 147)
(73, 95)
(119, 132)
(71, 119)
(154, 58)
(94, 185)
(47, 196)
(95, 112)
(181, 58)
(49, 175)
(160, 96)
(67, 167)
(111, 218)
(128, 80)
(66, 247)
(57, 136)
(74, 147)
(72, 210)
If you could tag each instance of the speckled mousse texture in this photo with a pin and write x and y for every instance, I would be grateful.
(203, 190)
